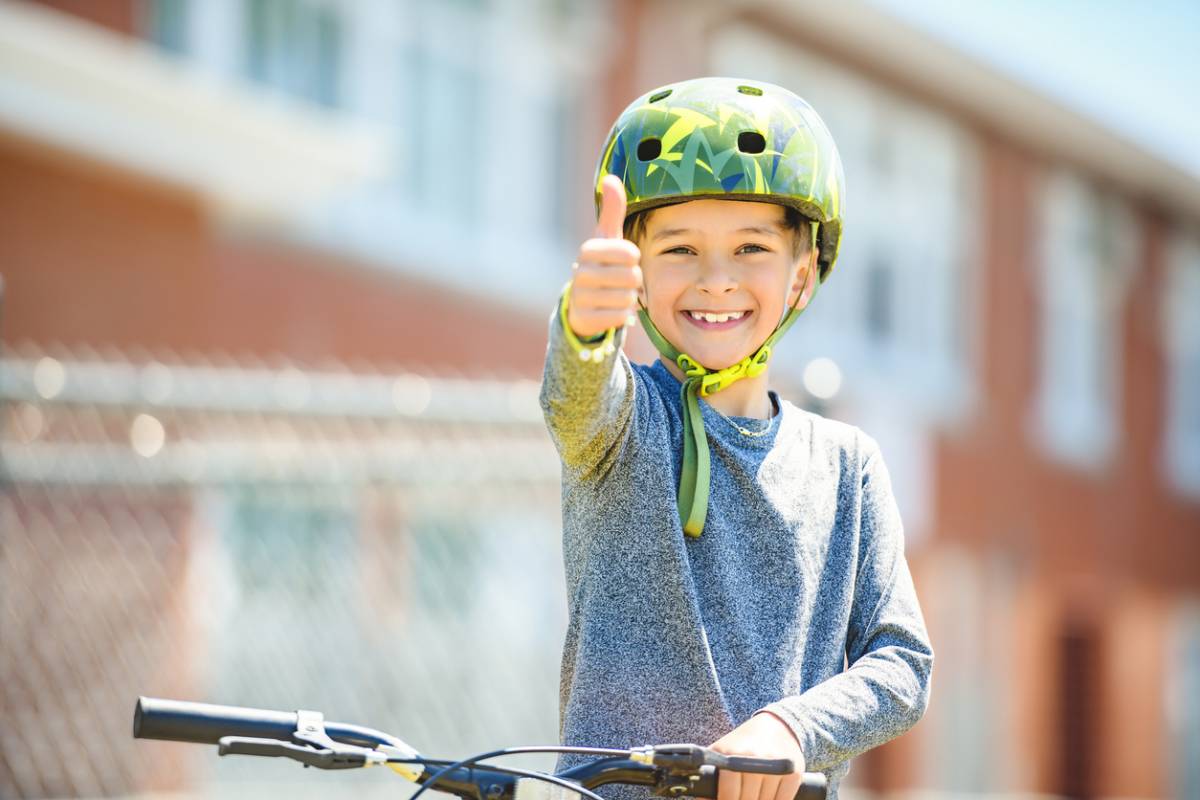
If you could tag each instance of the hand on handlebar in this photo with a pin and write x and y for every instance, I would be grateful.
(764, 735)
(672, 770)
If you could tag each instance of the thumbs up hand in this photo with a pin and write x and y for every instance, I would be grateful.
(604, 289)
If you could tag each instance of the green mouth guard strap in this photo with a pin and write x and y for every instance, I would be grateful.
(697, 469)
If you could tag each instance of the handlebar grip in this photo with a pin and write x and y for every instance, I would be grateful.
(813, 786)
(764, 766)
(204, 723)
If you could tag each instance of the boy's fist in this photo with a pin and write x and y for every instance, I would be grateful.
(762, 736)
(604, 289)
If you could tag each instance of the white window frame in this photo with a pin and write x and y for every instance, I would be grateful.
(1087, 244)
(1181, 347)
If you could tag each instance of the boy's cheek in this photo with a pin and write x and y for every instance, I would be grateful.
(663, 318)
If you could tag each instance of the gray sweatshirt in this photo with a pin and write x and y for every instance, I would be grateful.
(800, 571)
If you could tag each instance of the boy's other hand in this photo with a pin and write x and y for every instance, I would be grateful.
(604, 289)
(762, 736)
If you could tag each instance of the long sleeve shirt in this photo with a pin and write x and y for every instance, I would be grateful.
(796, 598)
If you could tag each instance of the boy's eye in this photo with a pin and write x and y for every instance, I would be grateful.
(752, 248)
(681, 250)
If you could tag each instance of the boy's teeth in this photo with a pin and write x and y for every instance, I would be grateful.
(716, 317)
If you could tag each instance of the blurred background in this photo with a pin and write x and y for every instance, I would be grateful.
(276, 281)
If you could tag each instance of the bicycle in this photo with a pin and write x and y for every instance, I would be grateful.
(674, 770)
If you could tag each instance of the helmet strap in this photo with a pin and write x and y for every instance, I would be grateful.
(699, 381)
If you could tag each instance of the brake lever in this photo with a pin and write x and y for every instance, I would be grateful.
(314, 747)
(323, 758)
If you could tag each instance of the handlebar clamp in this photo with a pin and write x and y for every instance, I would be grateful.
(690, 757)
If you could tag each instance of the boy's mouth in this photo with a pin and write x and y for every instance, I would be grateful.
(715, 320)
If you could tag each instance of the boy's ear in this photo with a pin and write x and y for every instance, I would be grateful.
(805, 280)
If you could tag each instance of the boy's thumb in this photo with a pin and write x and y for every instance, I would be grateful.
(612, 208)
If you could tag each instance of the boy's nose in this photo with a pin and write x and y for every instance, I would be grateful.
(715, 277)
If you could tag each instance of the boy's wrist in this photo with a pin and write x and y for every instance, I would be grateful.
(590, 348)
(788, 722)
(590, 338)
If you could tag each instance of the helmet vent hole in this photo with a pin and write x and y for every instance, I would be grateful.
(654, 98)
(649, 149)
(751, 90)
(748, 142)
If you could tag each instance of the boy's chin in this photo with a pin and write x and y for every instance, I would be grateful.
(712, 358)
(713, 362)
(717, 364)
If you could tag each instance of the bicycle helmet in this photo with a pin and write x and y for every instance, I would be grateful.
(728, 139)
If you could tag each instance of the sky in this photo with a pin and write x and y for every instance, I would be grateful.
(1133, 66)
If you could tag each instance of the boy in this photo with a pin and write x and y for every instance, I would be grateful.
(727, 553)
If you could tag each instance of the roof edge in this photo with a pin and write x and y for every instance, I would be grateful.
(911, 60)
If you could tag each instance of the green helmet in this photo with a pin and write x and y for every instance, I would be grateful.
(728, 139)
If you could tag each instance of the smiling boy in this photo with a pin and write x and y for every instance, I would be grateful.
(735, 565)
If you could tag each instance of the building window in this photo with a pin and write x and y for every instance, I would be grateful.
(1181, 339)
(296, 46)
(447, 151)
(564, 178)
(291, 556)
(1182, 701)
(879, 303)
(1086, 258)
(165, 24)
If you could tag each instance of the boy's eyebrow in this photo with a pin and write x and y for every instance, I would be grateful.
(761, 229)
(668, 232)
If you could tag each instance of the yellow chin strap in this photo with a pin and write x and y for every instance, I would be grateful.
(700, 382)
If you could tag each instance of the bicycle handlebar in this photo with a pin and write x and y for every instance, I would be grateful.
(673, 770)
(205, 723)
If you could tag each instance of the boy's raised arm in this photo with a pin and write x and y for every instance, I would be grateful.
(586, 387)
(885, 690)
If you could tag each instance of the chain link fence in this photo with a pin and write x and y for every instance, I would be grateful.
(382, 548)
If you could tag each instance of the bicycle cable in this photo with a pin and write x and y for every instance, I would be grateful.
(509, 751)
(520, 773)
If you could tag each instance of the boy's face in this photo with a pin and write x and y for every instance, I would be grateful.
(718, 276)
